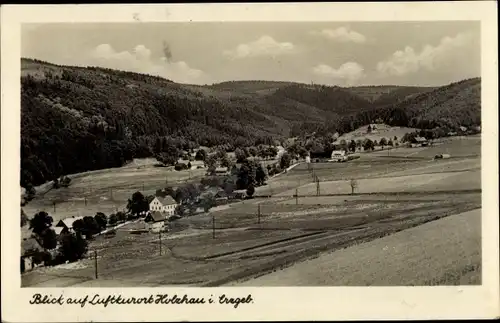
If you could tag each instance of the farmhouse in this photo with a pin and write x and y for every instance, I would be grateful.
(338, 155)
(58, 230)
(154, 221)
(239, 194)
(30, 248)
(163, 204)
(66, 225)
(421, 141)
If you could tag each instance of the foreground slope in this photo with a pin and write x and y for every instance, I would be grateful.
(421, 255)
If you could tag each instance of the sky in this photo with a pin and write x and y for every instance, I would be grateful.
(330, 53)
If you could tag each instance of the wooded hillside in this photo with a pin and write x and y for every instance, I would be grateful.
(77, 119)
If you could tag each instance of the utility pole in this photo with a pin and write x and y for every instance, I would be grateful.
(85, 198)
(296, 196)
(142, 187)
(160, 241)
(213, 227)
(95, 260)
(317, 187)
(54, 203)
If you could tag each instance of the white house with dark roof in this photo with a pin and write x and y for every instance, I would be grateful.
(163, 204)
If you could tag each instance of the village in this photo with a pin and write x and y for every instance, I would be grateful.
(218, 190)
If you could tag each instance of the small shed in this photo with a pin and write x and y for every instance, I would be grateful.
(239, 194)
(155, 221)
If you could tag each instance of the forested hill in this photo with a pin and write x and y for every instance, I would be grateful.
(77, 119)
(447, 107)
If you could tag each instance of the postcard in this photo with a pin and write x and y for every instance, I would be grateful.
(278, 161)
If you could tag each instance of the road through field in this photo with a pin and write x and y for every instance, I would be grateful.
(422, 255)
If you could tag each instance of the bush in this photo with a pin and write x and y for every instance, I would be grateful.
(180, 166)
(121, 217)
(250, 191)
(113, 219)
(285, 160)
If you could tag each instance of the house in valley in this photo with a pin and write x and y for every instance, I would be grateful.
(338, 156)
(421, 141)
(58, 230)
(163, 204)
(30, 254)
(66, 225)
(239, 194)
(155, 221)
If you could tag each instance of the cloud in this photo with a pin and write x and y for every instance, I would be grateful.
(264, 46)
(348, 73)
(341, 34)
(139, 60)
(430, 58)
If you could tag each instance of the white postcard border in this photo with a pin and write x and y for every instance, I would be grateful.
(278, 303)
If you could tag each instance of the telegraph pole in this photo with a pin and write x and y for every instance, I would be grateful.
(160, 241)
(213, 227)
(95, 260)
(296, 196)
(85, 198)
(54, 203)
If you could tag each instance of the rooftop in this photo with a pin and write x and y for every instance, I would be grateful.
(68, 222)
(155, 216)
(167, 200)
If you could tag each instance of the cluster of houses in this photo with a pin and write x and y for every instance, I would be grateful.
(31, 247)
(419, 142)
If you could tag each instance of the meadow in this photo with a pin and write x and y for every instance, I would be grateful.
(255, 237)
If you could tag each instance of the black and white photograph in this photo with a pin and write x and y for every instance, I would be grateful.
(251, 154)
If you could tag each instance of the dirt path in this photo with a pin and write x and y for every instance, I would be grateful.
(418, 256)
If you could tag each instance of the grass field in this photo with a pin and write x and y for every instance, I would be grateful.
(450, 181)
(414, 257)
(243, 247)
(106, 190)
(393, 195)
(382, 131)
(456, 147)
